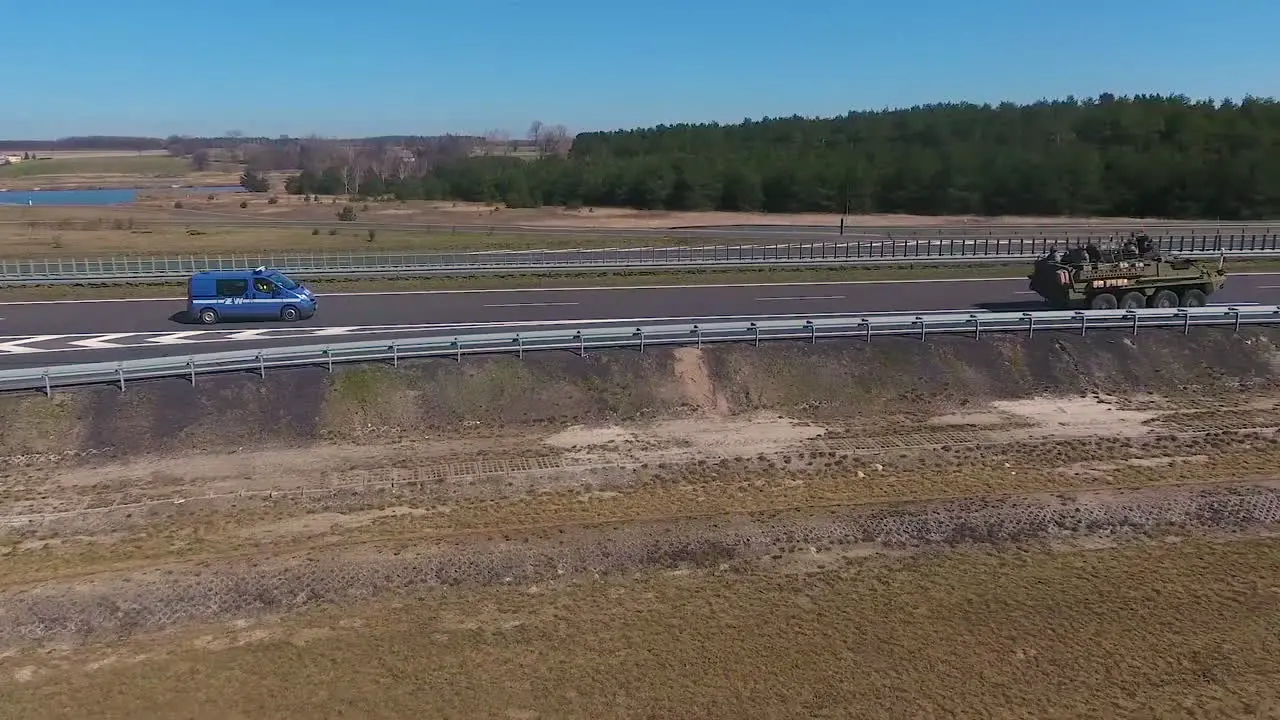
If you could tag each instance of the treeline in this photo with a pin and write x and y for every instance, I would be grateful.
(91, 142)
(1165, 156)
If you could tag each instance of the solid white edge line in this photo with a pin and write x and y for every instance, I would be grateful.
(595, 288)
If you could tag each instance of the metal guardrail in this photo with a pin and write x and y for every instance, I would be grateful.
(591, 338)
(943, 250)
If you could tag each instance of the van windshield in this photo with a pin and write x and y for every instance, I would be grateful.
(283, 281)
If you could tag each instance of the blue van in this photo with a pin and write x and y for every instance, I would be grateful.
(260, 294)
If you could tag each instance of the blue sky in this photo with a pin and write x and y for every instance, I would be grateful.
(147, 67)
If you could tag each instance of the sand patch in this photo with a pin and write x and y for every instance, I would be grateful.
(1094, 416)
(701, 437)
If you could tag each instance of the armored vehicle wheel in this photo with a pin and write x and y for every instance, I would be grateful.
(1193, 298)
(1165, 299)
(1103, 301)
(1133, 300)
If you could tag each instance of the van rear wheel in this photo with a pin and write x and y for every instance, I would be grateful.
(289, 314)
(208, 316)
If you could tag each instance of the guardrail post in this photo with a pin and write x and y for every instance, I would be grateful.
(1031, 324)
(977, 327)
(48, 387)
(698, 331)
(923, 325)
(458, 346)
(1135, 321)
(395, 355)
(582, 344)
(262, 367)
(519, 346)
(328, 355)
(756, 330)
(640, 332)
(1084, 322)
(813, 332)
(1186, 321)
(867, 323)
(120, 374)
(191, 369)
(1236, 312)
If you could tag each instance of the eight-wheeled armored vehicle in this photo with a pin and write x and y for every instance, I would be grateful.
(1129, 277)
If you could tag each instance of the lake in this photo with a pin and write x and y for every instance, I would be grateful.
(108, 196)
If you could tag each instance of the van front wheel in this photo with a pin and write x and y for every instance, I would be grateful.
(289, 314)
(208, 316)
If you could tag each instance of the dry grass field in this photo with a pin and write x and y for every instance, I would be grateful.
(99, 169)
(40, 232)
(463, 213)
(1006, 527)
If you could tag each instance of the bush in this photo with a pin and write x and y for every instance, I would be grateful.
(347, 214)
(177, 205)
(244, 204)
(273, 200)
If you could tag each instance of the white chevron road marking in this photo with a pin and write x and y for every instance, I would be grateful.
(102, 341)
(19, 346)
(177, 338)
(331, 331)
(248, 334)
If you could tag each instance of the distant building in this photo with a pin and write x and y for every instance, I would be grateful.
(10, 159)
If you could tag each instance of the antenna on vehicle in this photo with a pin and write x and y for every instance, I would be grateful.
(260, 269)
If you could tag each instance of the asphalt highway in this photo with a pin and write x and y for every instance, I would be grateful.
(717, 233)
(34, 334)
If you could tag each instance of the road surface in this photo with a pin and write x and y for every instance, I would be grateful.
(34, 334)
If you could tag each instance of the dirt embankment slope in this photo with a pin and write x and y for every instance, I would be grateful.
(897, 380)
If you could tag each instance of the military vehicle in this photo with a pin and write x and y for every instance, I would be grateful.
(1132, 276)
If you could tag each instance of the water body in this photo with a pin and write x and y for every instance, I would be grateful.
(107, 196)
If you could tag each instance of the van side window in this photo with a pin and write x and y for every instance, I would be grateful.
(232, 288)
(263, 286)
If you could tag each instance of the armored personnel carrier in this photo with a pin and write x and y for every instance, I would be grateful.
(1132, 276)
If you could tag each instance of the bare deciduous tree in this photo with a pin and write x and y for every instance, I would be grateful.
(556, 141)
(496, 141)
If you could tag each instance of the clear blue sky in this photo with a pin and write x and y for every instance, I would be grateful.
(146, 67)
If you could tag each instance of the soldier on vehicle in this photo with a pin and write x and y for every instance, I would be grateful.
(1091, 250)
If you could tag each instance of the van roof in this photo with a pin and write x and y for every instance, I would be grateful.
(231, 273)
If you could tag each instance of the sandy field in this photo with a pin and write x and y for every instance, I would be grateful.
(1008, 526)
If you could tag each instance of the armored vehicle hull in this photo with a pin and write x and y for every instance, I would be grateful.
(1092, 279)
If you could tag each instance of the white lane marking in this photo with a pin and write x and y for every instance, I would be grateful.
(101, 341)
(546, 304)
(1232, 304)
(249, 334)
(612, 288)
(800, 297)
(331, 331)
(18, 346)
(1260, 287)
